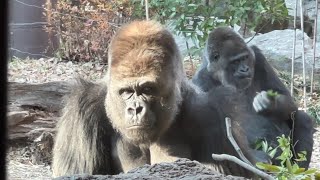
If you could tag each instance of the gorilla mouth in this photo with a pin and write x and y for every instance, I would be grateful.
(138, 127)
(244, 77)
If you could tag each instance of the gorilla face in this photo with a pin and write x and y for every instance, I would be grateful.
(143, 82)
(229, 60)
(142, 108)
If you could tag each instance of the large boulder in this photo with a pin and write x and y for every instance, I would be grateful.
(277, 46)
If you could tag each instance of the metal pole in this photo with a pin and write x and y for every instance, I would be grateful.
(147, 9)
(294, 46)
(314, 46)
(303, 59)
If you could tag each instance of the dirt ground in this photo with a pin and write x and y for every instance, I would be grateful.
(20, 162)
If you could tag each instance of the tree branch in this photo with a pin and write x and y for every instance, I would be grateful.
(221, 157)
(245, 163)
(233, 141)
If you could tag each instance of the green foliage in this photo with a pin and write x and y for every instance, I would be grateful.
(264, 146)
(85, 26)
(314, 111)
(272, 93)
(194, 20)
(287, 169)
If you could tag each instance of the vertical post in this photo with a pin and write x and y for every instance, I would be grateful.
(314, 45)
(294, 46)
(147, 9)
(303, 58)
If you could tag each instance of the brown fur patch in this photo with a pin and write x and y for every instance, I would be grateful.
(141, 47)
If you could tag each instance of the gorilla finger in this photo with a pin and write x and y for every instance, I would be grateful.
(265, 101)
(257, 106)
(261, 104)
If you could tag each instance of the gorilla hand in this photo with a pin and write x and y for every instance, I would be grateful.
(263, 102)
(274, 105)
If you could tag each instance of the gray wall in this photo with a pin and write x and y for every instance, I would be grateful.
(26, 34)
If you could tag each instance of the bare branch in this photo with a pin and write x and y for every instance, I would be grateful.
(233, 141)
(222, 157)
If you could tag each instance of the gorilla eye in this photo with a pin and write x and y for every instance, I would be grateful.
(148, 90)
(236, 62)
(126, 93)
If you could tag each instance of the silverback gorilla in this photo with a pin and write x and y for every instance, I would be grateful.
(229, 62)
(145, 111)
(107, 128)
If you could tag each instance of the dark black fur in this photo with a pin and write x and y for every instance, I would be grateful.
(264, 79)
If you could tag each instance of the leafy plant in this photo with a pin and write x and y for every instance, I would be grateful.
(314, 111)
(84, 27)
(264, 146)
(193, 19)
(272, 93)
(287, 169)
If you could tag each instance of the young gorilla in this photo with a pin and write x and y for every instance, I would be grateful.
(107, 128)
(145, 111)
(229, 62)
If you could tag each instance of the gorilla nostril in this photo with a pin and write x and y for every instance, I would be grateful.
(139, 109)
(244, 69)
(135, 111)
(131, 111)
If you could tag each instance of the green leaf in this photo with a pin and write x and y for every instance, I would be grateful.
(273, 152)
(310, 171)
(272, 93)
(268, 167)
(299, 171)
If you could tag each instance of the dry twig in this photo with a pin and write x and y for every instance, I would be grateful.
(245, 163)
(233, 141)
(221, 157)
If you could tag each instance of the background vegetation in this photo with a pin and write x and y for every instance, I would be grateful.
(84, 27)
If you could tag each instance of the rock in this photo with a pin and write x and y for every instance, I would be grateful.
(181, 169)
(277, 46)
(309, 8)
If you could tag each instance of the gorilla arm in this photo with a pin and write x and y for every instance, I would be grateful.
(86, 141)
(280, 106)
(171, 146)
(82, 143)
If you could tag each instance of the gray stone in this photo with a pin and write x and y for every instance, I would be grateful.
(309, 7)
(182, 169)
(277, 46)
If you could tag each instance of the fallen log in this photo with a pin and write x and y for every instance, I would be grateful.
(34, 108)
